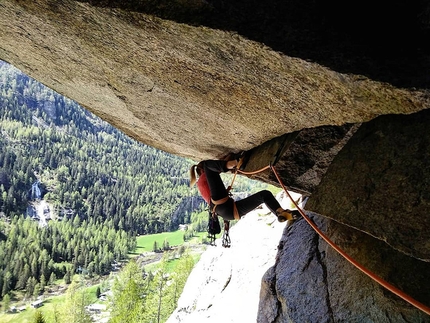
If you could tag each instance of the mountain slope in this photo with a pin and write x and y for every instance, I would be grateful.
(86, 167)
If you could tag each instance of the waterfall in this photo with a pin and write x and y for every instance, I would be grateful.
(35, 191)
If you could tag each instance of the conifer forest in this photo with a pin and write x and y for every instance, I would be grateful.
(101, 188)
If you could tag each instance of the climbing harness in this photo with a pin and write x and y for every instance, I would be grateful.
(222, 201)
(226, 241)
(376, 278)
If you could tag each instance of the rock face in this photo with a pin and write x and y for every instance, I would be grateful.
(211, 294)
(341, 113)
(224, 285)
(388, 159)
(192, 91)
(311, 282)
(376, 192)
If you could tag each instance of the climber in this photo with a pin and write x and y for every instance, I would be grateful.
(213, 191)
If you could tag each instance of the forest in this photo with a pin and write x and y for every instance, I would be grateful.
(103, 187)
(84, 164)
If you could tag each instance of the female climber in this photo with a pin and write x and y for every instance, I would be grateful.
(213, 191)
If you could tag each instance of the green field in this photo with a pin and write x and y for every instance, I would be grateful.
(27, 316)
(146, 243)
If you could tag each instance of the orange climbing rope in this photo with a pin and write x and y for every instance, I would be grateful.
(245, 173)
(376, 278)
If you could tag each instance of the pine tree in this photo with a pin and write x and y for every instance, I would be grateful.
(6, 303)
(67, 277)
(7, 281)
(38, 317)
(74, 307)
(36, 291)
(183, 270)
(128, 304)
(42, 281)
(29, 286)
(52, 278)
(159, 302)
(128, 292)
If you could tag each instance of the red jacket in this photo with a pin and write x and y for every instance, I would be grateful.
(203, 187)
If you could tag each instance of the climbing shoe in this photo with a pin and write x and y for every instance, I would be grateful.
(288, 215)
(284, 215)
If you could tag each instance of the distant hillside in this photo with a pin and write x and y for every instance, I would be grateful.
(86, 167)
(105, 187)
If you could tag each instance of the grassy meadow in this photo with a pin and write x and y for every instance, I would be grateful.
(145, 243)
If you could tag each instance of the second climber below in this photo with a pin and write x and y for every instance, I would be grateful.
(213, 191)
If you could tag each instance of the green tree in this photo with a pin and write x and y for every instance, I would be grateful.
(166, 245)
(74, 307)
(30, 286)
(37, 290)
(42, 281)
(67, 277)
(181, 250)
(159, 303)
(56, 313)
(6, 303)
(23, 278)
(52, 278)
(7, 282)
(38, 317)
(128, 292)
(180, 276)
(128, 305)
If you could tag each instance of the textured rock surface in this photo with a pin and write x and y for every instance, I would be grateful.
(304, 156)
(312, 282)
(224, 286)
(295, 77)
(192, 91)
(379, 183)
(297, 281)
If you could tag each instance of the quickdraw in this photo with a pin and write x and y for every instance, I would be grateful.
(226, 242)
